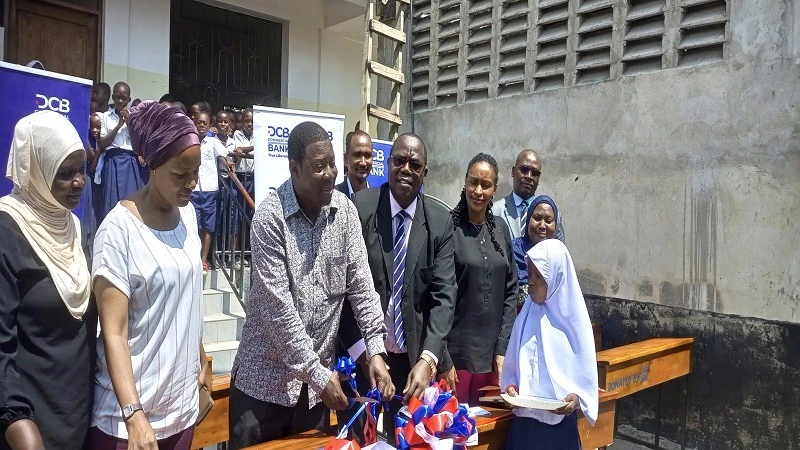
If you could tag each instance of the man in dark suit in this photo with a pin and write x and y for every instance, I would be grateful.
(358, 162)
(410, 251)
(358, 159)
(513, 209)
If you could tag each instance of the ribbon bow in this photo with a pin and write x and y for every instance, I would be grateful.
(345, 365)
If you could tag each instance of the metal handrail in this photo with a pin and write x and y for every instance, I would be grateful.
(235, 217)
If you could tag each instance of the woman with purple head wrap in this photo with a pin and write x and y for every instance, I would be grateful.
(147, 277)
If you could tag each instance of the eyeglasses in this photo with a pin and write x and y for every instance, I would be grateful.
(400, 162)
(528, 170)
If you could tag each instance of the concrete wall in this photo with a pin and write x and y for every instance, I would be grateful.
(2, 43)
(136, 46)
(679, 187)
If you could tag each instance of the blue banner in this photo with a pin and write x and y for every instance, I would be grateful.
(380, 160)
(24, 91)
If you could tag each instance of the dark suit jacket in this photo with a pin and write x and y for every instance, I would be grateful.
(429, 286)
(342, 187)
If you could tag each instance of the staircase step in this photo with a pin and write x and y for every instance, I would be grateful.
(223, 353)
(222, 327)
(215, 279)
(221, 301)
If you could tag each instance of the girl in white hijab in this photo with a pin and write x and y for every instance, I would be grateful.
(47, 324)
(551, 353)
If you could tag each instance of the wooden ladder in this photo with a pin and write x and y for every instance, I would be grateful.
(397, 35)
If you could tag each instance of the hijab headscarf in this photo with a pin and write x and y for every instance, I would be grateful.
(160, 132)
(41, 143)
(556, 334)
(524, 243)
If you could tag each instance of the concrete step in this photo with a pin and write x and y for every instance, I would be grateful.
(223, 353)
(222, 327)
(215, 279)
(221, 300)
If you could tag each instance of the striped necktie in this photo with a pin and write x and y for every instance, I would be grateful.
(523, 214)
(399, 269)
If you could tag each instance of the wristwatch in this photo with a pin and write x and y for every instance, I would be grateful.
(129, 410)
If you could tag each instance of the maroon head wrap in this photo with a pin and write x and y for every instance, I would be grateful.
(160, 132)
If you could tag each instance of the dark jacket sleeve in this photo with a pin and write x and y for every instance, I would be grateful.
(14, 404)
(442, 292)
(560, 228)
(349, 333)
(511, 290)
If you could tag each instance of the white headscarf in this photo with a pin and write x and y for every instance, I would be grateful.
(562, 326)
(41, 143)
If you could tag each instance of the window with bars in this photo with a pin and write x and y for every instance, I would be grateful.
(513, 47)
(224, 57)
(593, 50)
(420, 53)
(479, 49)
(552, 31)
(644, 36)
(448, 36)
(702, 31)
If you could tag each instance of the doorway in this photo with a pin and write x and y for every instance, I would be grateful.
(63, 35)
(224, 57)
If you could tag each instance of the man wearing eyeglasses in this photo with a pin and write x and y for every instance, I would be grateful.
(514, 208)
(409, 242)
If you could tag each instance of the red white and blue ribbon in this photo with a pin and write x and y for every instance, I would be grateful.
(438, 421)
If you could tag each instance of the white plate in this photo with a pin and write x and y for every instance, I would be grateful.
(527, 401)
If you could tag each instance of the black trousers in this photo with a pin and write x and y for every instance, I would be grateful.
(252, 421)
(356, 430)
(399, 368)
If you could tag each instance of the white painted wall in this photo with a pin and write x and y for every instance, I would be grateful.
(136, 46)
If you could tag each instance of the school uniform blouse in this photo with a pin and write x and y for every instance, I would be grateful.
(486, 303)
(160, 273)
(46, 355)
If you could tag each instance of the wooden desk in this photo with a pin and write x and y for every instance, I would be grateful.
(214, 428)
(596, 333)
(492, 435)
(633, 367)
(602, 434)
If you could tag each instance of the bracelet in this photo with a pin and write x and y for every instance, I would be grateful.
(431, 364)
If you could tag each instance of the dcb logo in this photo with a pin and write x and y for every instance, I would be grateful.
(281, 132)
(52, 103)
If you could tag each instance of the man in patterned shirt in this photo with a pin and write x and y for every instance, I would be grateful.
(308, 257)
